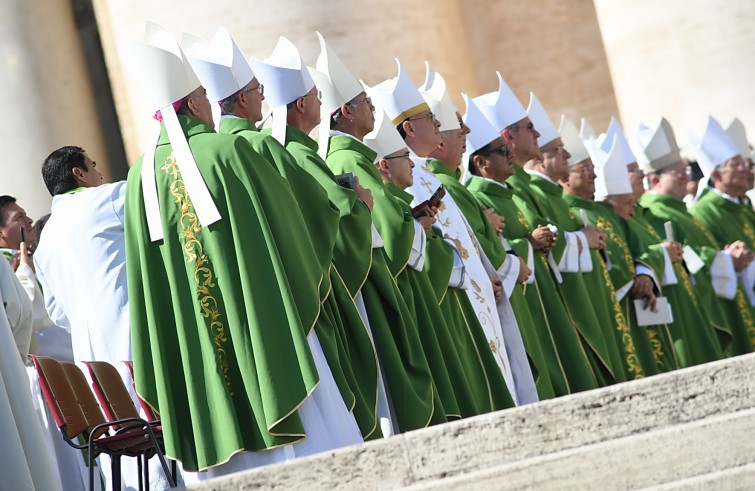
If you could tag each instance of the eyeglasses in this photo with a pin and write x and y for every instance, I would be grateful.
(430, 116)
(318, 94)
(516, 127)
(581, 170)
(504, 150)
(402, 156)
(687, 171)
(260, 88)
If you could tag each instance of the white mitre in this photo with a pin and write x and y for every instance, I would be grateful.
(159, 68)
(714, 148)
(572, 141)
(612, 177)
(285, 78)
(541, 121)
(502, 108)
(435, 93)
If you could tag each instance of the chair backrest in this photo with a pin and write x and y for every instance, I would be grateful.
(60, 397)
(151, 413)
(86, 400)
(108, 385)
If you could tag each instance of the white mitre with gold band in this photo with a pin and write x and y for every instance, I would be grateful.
(714, 148)
(337, 85)
(606, 141)
(738, 134)
(285, 78)
(398, 97)
(502, 108)
(541, 121)
(384, 139)
(655, 147)
(435, 93)
(159, 68)
(572, 142)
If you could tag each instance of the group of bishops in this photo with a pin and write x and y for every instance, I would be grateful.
(362, 261)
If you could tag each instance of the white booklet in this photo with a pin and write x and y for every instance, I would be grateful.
(648, 317)
(692, 260)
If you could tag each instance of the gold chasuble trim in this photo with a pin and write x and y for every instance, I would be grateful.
(401, 117)
(632, 360)
(203, 275)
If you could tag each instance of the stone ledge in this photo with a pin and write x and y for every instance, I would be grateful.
(505, 437)
(664, 456)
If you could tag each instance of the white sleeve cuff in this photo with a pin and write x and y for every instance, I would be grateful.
(459, 278)
(622, 292)
(669, 276)
(585, 259)
(569, 262)
(509, 273)
(642, 269)
(723, 276)
(419, 244)
(530, 263)
(747, 280)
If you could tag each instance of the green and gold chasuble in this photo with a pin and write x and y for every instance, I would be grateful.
(343, 337)
(693, 334)
(586, 295)
(443, 310)
(470, 384)
(652, 344)
(218, 329)
(625, 334)
(734, 314)
(568, 366)
(407, 373)
(496, 254)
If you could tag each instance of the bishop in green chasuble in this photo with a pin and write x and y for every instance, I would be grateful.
(219, 331)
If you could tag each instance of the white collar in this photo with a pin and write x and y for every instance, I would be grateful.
(502, 184)
(341, 133)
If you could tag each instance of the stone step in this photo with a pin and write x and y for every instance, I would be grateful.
(732, 479)
(662, 456)
(514, 435)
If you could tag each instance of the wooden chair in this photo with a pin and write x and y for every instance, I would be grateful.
(116, 402)
(151, 413)
(76, 413)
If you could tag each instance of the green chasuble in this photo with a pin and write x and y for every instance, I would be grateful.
(693, 334)
(734, 314)
(445, 313)
(652, 344)
(343, 336)
(470, 385)
(496, 254)
(218, 330)
(580, 291)
(568, 364)
(405, 368)
(624, 335)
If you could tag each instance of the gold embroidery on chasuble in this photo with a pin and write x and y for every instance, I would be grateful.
(744, 307)
(522, 219)
(203, 275)
(704, 230)
(425, 183)
(632, 361)
(749, 233)
(607, 227)
(652, 333)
